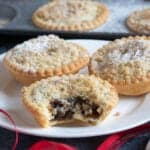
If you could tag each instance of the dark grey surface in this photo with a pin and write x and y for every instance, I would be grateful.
(25, 141)
(7, 14)
(137, 143)
(119, 10)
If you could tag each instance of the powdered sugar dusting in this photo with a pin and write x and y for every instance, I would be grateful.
(127, 52)
(68, 11)
(123, 53)
(40, 44)
(45, 52)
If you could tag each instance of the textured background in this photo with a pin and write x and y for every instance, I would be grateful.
(119, 10)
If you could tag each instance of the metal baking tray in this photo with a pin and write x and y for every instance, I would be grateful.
(16, 15)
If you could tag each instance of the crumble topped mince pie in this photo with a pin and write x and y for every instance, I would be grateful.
(71, 15)
(43, 57)
(139, 21)
(125, 63)
(77, 99)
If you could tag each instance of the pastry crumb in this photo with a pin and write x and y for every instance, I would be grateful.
(117, 114)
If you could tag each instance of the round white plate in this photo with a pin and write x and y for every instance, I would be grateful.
(133, 111)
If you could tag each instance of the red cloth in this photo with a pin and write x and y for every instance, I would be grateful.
(13, 122)
(49, 145)
(115, 141)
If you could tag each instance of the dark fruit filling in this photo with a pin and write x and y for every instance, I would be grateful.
(66, 108)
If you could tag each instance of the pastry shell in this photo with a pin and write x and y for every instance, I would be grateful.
(132, 87)
(29, 76)
(135, 23)
(41, 112)
(100, 19)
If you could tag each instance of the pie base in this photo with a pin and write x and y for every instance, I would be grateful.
(27, 78)
(134, 89)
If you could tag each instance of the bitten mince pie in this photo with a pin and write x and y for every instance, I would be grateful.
(74, 99)
(45, 56)
(125, 63)
(139, 21)
(71, 15)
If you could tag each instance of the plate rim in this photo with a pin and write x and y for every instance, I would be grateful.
(74, 135)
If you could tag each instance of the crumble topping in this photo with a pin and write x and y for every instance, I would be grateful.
(129, 51)
(69, 85)
(45, 52)
(141, 17)
(123, 60)
(68, 11)
(39, 44)
(117, 114)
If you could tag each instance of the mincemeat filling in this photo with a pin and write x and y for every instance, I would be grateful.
(66, 108)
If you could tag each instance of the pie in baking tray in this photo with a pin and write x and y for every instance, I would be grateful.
(70, 15)
(139, 21)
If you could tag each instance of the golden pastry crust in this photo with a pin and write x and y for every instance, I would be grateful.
(73, 99)
(34, 59)
(139, 21)
(125, 63)
(70, 22)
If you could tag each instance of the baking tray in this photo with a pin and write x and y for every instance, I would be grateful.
(19, 14)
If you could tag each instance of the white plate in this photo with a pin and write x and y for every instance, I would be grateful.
(133, 110)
